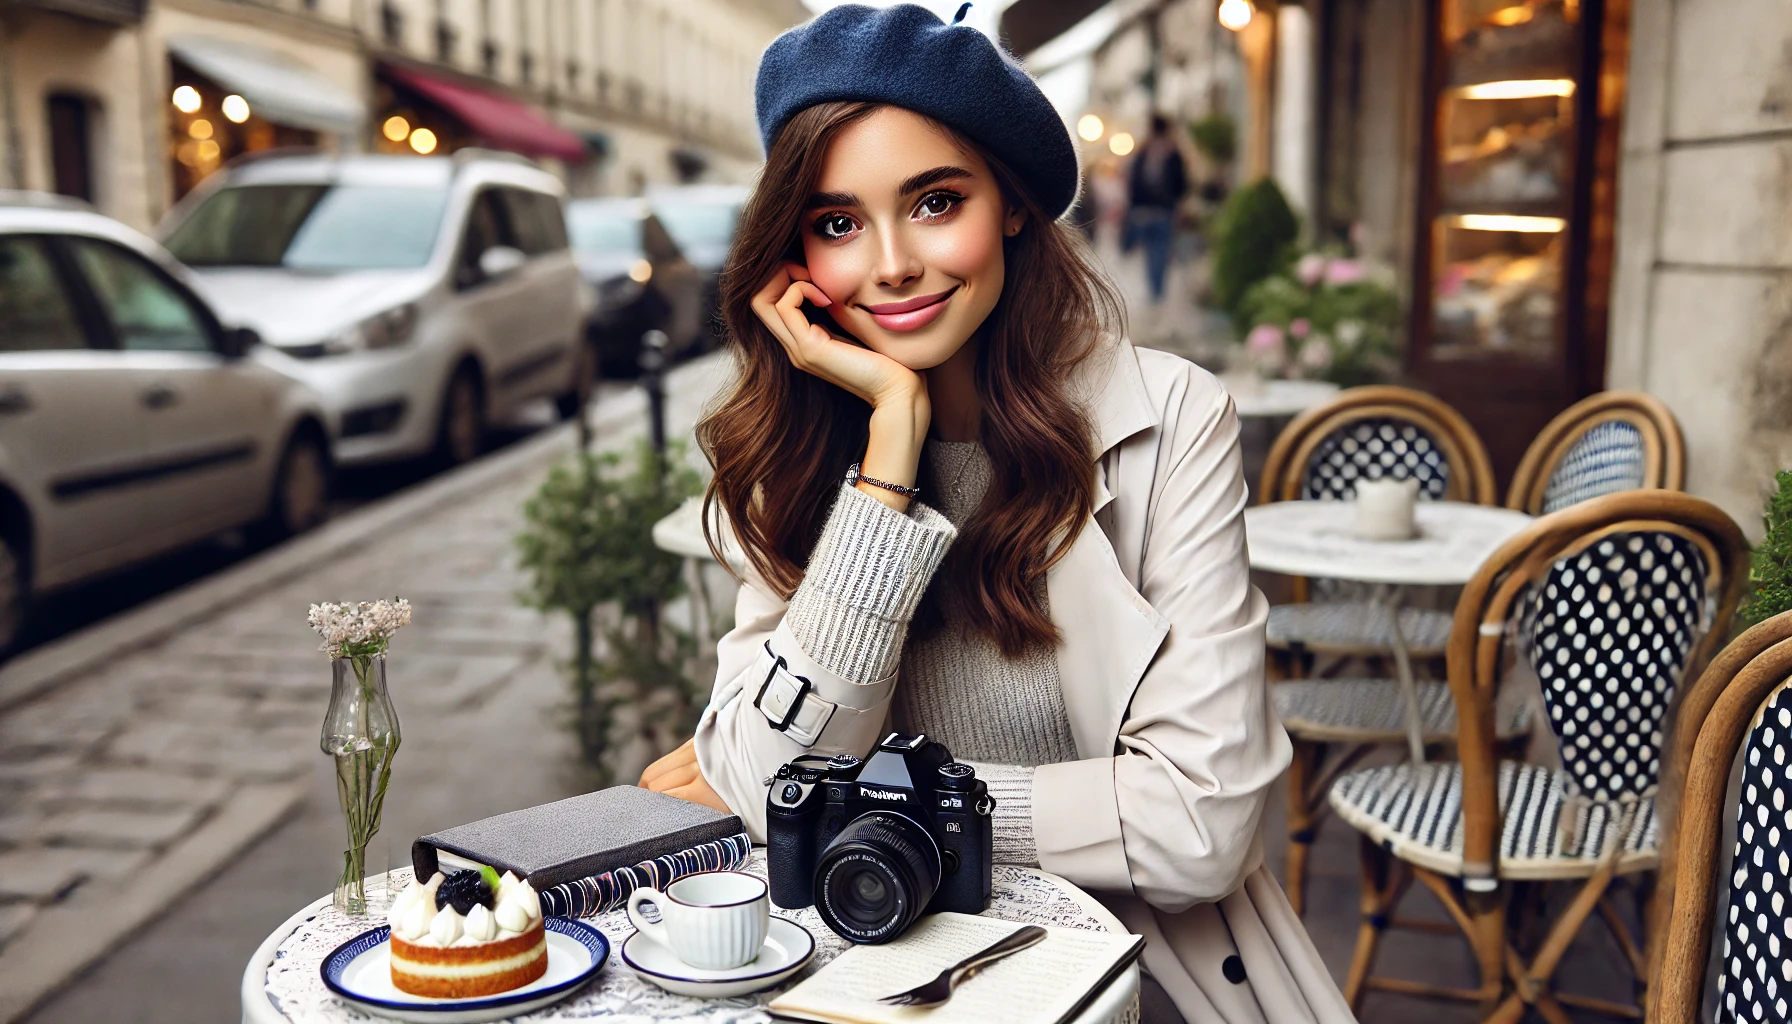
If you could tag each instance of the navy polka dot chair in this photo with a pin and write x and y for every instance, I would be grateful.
(1742, 703)
(1369, 433)
(1613, 441)
(1614, 603)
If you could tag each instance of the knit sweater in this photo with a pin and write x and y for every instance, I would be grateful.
(867, 576)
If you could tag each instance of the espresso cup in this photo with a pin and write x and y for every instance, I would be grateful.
(1385, 508)
(715, 920)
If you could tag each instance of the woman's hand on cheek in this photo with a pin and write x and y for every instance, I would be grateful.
(872, 376)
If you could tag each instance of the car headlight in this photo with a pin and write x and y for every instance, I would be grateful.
(382, 330)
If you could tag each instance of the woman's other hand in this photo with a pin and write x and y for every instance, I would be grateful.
(898, 395)
(677, 775)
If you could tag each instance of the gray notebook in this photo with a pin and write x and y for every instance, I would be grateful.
(578, 837)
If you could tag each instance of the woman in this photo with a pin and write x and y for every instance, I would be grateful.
(1083, 626)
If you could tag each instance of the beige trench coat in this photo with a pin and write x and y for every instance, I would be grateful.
(1161, 665)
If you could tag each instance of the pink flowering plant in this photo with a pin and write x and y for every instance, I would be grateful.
(1325, 318)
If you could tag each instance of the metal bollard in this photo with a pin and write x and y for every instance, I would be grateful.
(653, 366)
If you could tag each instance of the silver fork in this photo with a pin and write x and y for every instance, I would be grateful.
(940, 989)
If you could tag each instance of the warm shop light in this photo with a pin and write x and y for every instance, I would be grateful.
(1508, 222)
(1517, 89)
(186, 99)
(640, 272)
(200, 128)
(235, 108)
(1121, 143)
(1089, 127)
(1235, 14)
(209, 152)
(423, 141)
(1509, 16)
(396, 128)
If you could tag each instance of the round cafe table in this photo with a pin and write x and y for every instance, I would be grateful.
(1316, 538)
(282, 984)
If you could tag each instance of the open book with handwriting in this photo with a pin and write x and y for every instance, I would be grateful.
(1046, 984)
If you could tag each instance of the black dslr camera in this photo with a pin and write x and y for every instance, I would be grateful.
(875, 844)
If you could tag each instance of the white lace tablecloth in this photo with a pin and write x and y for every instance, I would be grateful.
(292, 990)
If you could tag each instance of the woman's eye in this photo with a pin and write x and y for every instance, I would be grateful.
(835, 226)
(938, 204)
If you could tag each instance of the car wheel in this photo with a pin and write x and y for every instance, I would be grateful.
(15, 595)
(584, 381)
(301, 496)
(461, 435)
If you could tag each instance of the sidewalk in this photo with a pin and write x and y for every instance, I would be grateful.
(139, 758)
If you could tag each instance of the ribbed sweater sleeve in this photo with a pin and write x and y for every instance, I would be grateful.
(864, 579)
(1012, 787)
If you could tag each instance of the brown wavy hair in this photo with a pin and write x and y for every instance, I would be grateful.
(781, 439)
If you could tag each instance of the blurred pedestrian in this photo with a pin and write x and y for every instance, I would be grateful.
(1158, 183)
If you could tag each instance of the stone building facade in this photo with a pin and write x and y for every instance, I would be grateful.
(1702, 300)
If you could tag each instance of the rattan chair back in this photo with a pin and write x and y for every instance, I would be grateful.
(1379, 432)
(1613, 441)
(1742, 698)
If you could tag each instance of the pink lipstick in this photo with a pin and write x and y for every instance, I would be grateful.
(910, 314)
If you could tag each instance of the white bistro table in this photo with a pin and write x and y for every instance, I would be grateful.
(282, 983)
(681, 533)
(1315, 538)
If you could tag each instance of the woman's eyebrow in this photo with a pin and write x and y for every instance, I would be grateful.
(932, 177)
(820, 199)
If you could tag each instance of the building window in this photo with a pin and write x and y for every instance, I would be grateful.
(572, 74)
(391, 23)
(446, 38)
(489, 58)
(71, 119)
(525, 66)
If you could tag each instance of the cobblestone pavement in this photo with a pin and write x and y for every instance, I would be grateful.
(124, 786)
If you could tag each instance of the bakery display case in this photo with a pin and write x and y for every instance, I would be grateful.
(1505, 161)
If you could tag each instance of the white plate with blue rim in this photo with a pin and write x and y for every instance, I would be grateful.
(360, 972)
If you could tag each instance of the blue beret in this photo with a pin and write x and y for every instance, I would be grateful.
(906, 56)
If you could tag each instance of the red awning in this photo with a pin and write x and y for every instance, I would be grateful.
(503, 123)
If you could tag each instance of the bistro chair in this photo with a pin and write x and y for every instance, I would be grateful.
(1613, 441)
(1743, 697)
(1612, 602)
(1366, 433)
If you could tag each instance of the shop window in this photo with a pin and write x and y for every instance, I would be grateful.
(71, 120)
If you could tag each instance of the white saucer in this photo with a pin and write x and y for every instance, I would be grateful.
(788, 946)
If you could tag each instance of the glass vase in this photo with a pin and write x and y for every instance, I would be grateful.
(361, 733)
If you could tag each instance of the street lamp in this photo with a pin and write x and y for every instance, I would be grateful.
(1089, 127)
(235, 108)
(1121, 143)
(1235, 14)
(186, 99)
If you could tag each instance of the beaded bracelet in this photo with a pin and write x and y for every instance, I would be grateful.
(853, 476)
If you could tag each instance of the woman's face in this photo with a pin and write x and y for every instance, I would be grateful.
(904, 233)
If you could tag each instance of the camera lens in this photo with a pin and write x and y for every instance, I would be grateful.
(876, 877)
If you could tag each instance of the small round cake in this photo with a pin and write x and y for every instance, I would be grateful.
(471, 933)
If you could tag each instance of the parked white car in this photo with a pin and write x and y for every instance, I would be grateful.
(132, 421)
(422, 297)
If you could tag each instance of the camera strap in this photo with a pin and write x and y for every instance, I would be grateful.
(789, 701)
